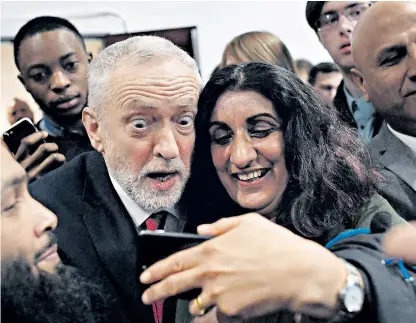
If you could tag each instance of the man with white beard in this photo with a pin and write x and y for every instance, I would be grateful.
(143, 95)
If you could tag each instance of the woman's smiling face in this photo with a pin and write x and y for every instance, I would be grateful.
(247, 150)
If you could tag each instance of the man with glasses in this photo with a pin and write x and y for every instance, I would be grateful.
(334, 22)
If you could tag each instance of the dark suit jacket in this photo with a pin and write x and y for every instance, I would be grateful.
(398, 167)
(341, 104)
(96, 234)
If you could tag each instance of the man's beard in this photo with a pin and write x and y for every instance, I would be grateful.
(45, 297)
(148, 198)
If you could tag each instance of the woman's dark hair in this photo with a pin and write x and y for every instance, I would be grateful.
(330, 174)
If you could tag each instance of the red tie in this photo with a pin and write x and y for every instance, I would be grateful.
(152, 225)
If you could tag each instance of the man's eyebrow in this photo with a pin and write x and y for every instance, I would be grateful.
(42, 65)
(136, 105)
(187, 106)
(346, 7)
(142, 105)
(35, 66)
(66, 56)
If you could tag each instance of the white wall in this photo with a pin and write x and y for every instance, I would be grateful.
(217, 22)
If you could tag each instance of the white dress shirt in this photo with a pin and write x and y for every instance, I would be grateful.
(409, 141)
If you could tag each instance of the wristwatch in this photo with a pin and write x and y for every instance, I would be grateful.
(351, 296)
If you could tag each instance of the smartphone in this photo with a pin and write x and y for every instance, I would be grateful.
(157, 245)
(19, 130)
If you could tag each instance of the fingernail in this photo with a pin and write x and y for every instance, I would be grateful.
(145, 277)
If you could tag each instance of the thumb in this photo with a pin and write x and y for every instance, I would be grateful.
(219, 227)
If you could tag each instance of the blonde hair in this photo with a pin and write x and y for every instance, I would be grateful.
(259, 46)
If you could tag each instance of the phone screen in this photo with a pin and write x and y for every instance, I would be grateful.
(14, 135)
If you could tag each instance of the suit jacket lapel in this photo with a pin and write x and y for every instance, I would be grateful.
(397, 157)
(113, 233)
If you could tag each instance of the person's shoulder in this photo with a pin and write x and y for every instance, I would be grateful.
(378, 212)
(69, 175)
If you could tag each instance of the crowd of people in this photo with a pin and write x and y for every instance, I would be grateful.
(303, 176)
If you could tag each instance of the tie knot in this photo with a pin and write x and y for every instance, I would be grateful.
(156, 220)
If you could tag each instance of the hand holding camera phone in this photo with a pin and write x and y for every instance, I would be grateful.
(30, 149)
(17, 132)
(157, 245)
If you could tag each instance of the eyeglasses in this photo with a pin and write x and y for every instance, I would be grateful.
(330, 19)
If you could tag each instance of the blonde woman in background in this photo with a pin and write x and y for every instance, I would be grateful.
(258, 46)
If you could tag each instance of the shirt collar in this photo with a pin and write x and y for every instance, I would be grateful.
(56, 130)
(138, 215)
(364, 108)
(409, 141)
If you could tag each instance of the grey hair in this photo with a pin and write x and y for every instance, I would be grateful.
(138, 48)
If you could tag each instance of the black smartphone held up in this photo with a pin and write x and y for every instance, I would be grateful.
(19, 130)
(157, 245)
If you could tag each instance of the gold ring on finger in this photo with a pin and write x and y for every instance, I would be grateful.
(198, 303)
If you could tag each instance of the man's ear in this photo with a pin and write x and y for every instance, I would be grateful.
(92, 125)
(89, 55)
(360, 82)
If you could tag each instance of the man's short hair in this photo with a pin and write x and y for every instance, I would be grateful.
(137, 49)
(313, 12)
(325, 68)
(40, 25)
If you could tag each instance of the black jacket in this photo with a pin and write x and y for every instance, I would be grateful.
(96, 234)
(341, 104)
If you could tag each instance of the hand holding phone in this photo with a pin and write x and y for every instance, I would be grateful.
(30, 149)
(17, 132)
(157, 245)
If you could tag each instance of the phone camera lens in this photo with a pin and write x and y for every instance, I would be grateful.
(11, 132)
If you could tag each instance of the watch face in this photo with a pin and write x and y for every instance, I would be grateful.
(354, 299)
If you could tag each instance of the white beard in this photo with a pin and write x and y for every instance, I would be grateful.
(137, 187)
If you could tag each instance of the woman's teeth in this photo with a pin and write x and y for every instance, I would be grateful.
(252, 175)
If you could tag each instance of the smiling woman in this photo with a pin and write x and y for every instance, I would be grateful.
(247, 150)
(265, 142)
